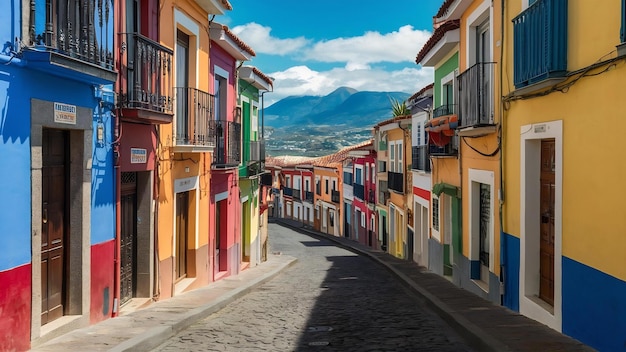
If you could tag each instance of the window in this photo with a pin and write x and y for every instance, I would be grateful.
(288, 181)
(399, 165)
(307, 185)
(436, 214)
(326, 186)
(362, 219)
(221, 86)
(347, 178)
(358, 176)
(623, 29)
(373, 172)
(382, 166)
(334, 184)
(367, 171)
(318, 186)
(395, 156)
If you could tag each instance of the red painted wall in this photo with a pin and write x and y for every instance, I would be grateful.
(229, 252)
(15, 306)
(102, 267)
(137, 136)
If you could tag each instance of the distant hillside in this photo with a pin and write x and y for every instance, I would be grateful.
(344, 106)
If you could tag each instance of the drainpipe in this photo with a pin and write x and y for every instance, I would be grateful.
(119, 14)
(503, 246)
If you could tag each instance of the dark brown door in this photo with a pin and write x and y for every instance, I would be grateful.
(546, 245)
(182, 219)
(128, 236)
(54, 227)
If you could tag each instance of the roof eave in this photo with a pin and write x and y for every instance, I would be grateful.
(444, 46)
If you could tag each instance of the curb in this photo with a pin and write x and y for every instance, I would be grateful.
(476, 336)
(156, 336)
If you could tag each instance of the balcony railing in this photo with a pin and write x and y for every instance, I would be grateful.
(443, 110)
(476, 86)
(226, 137)
(80, 29)
(359, 191)
(334, 196)
(371, 197)
(420, 158)
(540, 42)
(147, 67)
(257, 150)
(255, 168)
(288, 191)
(308, 196)
(395, 181)
(194, 110)
(447, 150)
(296, 194)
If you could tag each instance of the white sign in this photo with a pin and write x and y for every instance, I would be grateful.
(65, 113)
(138, 156)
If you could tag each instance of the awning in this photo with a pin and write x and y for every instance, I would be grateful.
(451, 190)
(441, 129)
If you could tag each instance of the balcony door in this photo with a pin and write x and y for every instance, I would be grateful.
(483, 55)
(182, 83)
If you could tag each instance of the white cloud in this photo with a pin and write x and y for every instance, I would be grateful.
(259, 37)
(301, 80)
(372, 47)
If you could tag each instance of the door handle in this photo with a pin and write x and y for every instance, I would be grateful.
(44, 217)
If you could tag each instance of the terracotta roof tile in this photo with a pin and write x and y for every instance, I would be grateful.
(421, 91)
(242, 45)
(392, 120)
(263, 76)
(435, 38)
(444, 7)
(331, 160)
(227, 5)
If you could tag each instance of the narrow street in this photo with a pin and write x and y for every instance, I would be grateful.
(331, 299)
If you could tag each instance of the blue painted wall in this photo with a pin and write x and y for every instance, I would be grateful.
(510, 271)
(594, 307)
(18, 85)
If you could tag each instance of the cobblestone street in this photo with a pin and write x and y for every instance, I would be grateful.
(331, 299)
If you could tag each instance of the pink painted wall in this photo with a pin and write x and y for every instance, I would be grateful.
(230, 256)
(219, 57)
(102, 268)
(15, 307)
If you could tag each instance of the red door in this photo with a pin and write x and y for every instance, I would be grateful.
(54, 227)
(546, 244)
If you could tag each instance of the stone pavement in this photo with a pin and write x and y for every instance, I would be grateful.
(489, 326)
(147, 328)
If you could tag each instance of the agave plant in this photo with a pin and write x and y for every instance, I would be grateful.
(399, 108)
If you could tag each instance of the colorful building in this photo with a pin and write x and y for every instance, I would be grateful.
(395, 203)
(441, 51)
(227, 52)
(563, 233)
(362, 210)
(185, 224)
(252, 84)
(58, 183)
(145, 100)
(420, 105)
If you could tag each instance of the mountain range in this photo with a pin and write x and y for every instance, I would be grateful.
(344, 106)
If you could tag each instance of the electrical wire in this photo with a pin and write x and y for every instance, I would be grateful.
(479, 152)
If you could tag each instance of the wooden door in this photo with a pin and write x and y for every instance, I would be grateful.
(547, 201)
(54, 223)
(128, 236)
(182, 224)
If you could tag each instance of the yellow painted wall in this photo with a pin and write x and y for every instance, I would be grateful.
(172, 165)
(486, 144)
(592, 115)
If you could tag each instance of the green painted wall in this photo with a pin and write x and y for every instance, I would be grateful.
(450, 65)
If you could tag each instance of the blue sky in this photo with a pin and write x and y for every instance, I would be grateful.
(314, 47)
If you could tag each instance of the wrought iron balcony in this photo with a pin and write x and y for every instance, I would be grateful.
(371, 197)
(447, 150)
(308, 196)
(335, 196)
(194, 110)
(540, 43)
(359, 191)
(288, 191)
(69, 33)
(420, 158)
(444, 110)
(266, 179)
(254, 168)
(395, 181)
(296, 194)
(226, 136)
(146, 73)
(476, 95)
